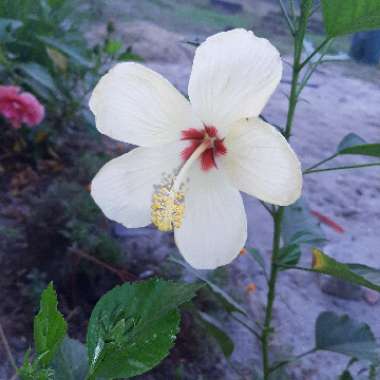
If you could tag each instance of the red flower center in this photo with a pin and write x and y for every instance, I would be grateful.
(197, 137)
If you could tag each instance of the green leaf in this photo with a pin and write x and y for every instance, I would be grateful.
(216, 330)
(113, 46)
(257, 256)
(346, 375)
(8, 25)
(39, 74)
(49, 327)
(355, 273)
(133, 327)
(289, 255)
(68, 50)
(229, 304)
(128, 56)
(350, 16)
(299, 226)
(354, 144)
(70, 361)
(345, 336)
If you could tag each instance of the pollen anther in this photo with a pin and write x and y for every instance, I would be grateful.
(168, 207)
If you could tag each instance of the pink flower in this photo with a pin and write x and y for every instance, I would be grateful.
(20, 107)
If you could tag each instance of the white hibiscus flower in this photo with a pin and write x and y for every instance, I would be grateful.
(194, 157)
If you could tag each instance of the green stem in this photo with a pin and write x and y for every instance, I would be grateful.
(313, 54)
(299, 35)
(267, 329)
(298, 46)
(287, 18)
(246, 325)
(308, 171)
(321, 162)
(300, 356)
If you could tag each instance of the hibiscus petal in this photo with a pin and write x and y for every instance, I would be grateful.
(123, 187)
(234, 74)
(260, 162)
(134, 104)
(214, 228)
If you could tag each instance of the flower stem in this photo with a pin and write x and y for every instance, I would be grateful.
(267, 329)
(321, 162)
(299, 35)
(309, 171)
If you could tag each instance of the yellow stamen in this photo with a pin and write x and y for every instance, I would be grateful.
(168, 200)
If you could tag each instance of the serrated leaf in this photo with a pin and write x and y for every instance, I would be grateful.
(49, 327)
(354, 144)
(298, 222)
(345, 336)
(229, 304)
(39, 74)
(350, 16)
(133, 327)
(70, 51)
(216, 330)
(355, 273)
(70, 361)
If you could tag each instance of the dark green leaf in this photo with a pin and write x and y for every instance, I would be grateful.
(346, 375)
(255, 253)
(70, 361)
(216, 330)
(128, 56)
(299, 226)
(350, 16)
(289, 255)
(133, 327)
(30, 371)
(346, 336)
(354, 273)
(354, 144)
(229, 304)
(8, 25)
(350, 140)
(49, 327)
(39, 74)
(70, 51)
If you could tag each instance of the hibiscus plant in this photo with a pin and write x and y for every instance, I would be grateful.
(193, 157)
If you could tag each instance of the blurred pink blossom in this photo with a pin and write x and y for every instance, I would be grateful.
(20, 107)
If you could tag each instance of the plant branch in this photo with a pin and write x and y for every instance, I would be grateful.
(8, 348)
(309, 171)
(315, 52)
(321, 162)
(267, 329)
(123, 274)
(299, 35)
(246, 325)
(287, 18)
(295, 358)
(267, 207)
(298, 47)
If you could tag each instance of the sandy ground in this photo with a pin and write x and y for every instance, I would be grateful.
(338, 102)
